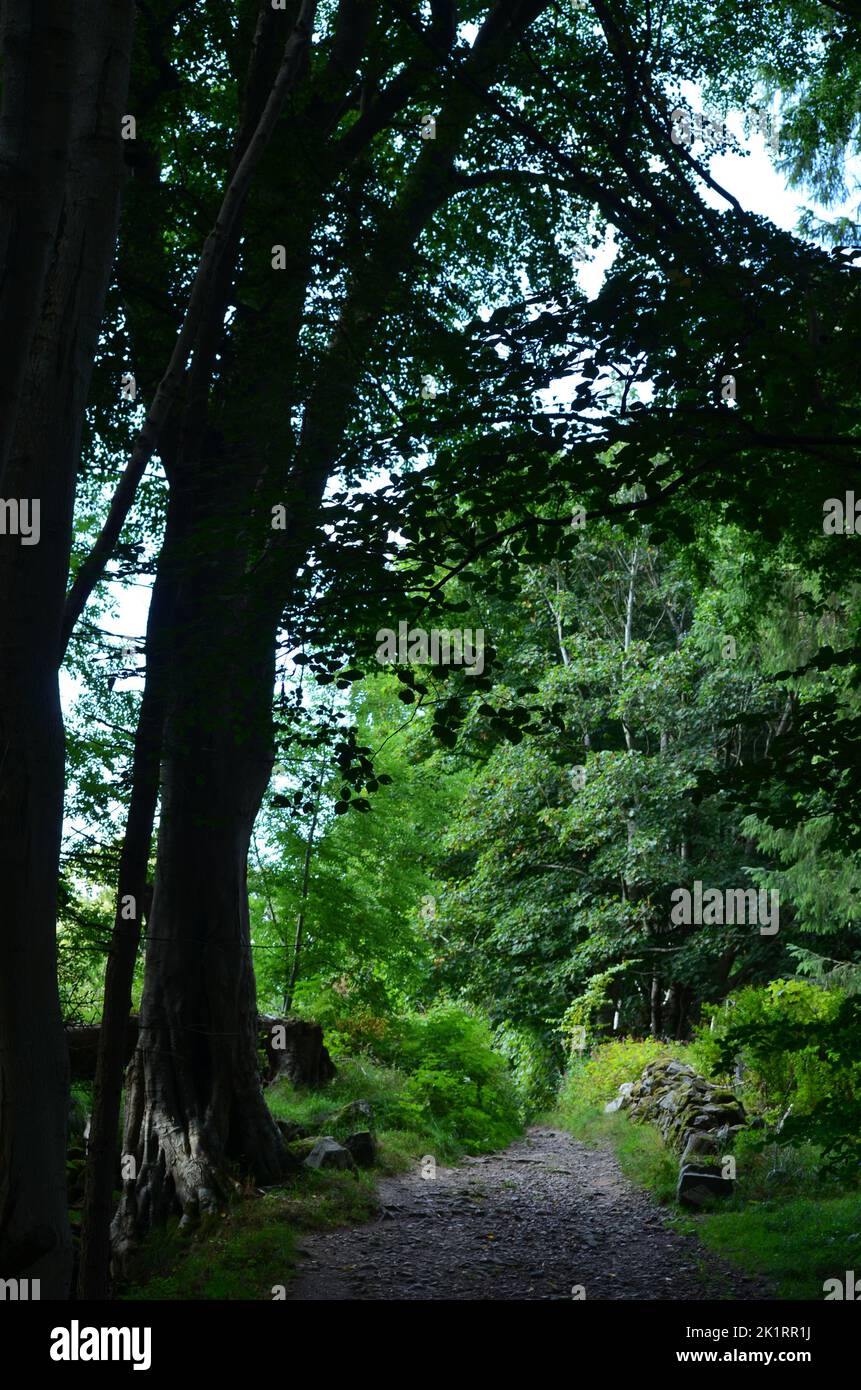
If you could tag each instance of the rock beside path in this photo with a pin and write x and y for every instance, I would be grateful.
(328, 1153)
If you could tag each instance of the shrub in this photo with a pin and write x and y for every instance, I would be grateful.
(799, 1046)
(746, 1030)
(359, 1032)
(457, 1079)
(534, 1066)
(351, 1025)
(439, 1077)
(595, 1079)
(357, 1078)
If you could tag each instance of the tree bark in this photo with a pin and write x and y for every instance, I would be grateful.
(113, 1054)
(196, 1117)
(39, 50)
(655, 1011)
(295, 1048)
(82, 1041)
(43, 413)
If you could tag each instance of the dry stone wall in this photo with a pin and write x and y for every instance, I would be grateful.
(696, 1119)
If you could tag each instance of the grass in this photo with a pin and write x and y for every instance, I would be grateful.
(250, 1249)
(402, 1136)
(356, 1079)
(798, 1242)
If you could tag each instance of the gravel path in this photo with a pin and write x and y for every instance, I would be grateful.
(529, 1223)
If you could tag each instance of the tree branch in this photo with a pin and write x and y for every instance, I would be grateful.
(210, 263)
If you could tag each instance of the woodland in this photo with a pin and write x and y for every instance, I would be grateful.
(428, 614)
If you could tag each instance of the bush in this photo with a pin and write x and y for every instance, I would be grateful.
(595, 1079)
(357, 1078)
(799, 1047)
(357, 1033)
(351, 1025)
(435, 1075)
(747, 1029)
(457, 1079)
(534, 1066)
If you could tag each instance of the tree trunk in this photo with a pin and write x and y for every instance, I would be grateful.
(195, 1105)
(686, 994)
(113, 1052)
(293, 978)
(629, 626)
(39, 51)
(673, 1011)
(35, 1240)
(204, 318)
(43, 424)
(655, 1011)
(295, 1048)
(196, 1116)
(82, 1041)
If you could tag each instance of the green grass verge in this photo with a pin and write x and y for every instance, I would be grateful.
(797, 1242)
(250, 1249)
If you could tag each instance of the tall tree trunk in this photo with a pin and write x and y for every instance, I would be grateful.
(685, 997)
(673, 1011)
(39, 50)
(35, 1240)
(196, 1116)
(629, 626)
(43, 425)
(267, 85)
(195, 1108)
(293, 977)
(94, 1267)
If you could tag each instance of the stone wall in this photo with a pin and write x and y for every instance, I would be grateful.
(696, 1119)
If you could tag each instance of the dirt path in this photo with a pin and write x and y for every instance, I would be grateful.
(529, 1223)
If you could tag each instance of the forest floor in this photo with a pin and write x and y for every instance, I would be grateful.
(532, 1222)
